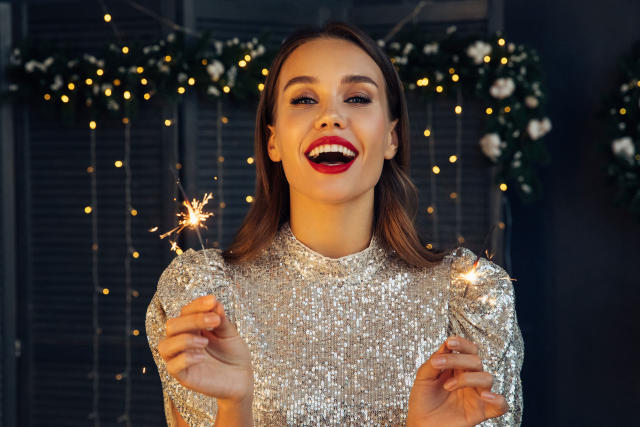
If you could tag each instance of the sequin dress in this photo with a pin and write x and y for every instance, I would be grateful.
(338, 342)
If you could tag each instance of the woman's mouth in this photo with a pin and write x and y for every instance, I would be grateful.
(331, 154)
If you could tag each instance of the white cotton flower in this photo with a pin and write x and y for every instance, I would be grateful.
(490, 145)
(155, 48)
(516, 133)
(235, 40)
(624, 88)
(47, 62)
(260, 50)
(526, 188)
(100, 63)
(30, 66)
(511, 47)
(182, 77)
(212, 90)
(171, 37)
(95, 89)
(395, 45)
(121, 69)
(517, 154)
(16, 52)
(478, 51)
(622, 125)
(163, 68)
(13, 88)
(520, 178)
(516, 164)
(146, 50)
(623, 147)
(407, 48)
(538, 128)
(380, 42)
(439, 76)
(254, 40)
(430, 48)
(250, 45)
(133, 69)
(218, 45)
(232, 72)
(531, 101)
(151, 61)
(112, 105)
(215, 70)
(502, 88)
(57, 82)
(451, 29)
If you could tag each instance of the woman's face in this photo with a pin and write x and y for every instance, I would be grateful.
(331, 87)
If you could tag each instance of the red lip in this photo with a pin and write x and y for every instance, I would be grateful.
(331, 139)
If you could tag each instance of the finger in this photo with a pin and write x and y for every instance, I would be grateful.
(191, 323)
(170, 347)
(427, 371)
(204, 303)
(483, 380)
(182, 361)
(461, 344)
(496, 404)
(466, 362)
(224, 330)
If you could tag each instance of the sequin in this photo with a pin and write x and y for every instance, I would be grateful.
(338, 341)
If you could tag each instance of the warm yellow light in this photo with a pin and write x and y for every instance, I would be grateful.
(134, 212)
(140, 70)
(71, 86)
(249, 199)
(439, 89)
(215, 178)
(107, 92)
(179, 251)
(423, 82)
(135, 293)
(88, 82)
(135, 254)
(260, 87)
(181, 90)
(125, 49)
(116, 82)
(92, 124)
(125, 120)
(638, 83)
(436, 170)
(429, 246)
(118, 163)
(167, 122)
(144, 81)
(452, 70)
(247, 57)
(64, 98)
(107, 17)
(204, 62)
(507, 109)
(223, 205)
(487, 58)
(90, 169)
(191, 81)
(99, 71)
(167, 58)
(501, 225)
(105, 291)
(127, 94)
(136, 332)
(119, 377)
(430, 210)
(503, 60)
(427, 133)
(226, 89)
(458, 109)
(623, 111)
(87, 209)
(224, 119)
(220, 159)
(179, 166)
(453, 195)
(503, 186)
(501, 42)
(455, 77)
(47, 97)
(453, 158)
(489, 111)
(147, 96)
(250, 160)
(265, 72)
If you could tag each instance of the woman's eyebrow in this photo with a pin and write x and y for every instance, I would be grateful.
(350, 78)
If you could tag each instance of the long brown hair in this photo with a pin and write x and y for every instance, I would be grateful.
(395, 195)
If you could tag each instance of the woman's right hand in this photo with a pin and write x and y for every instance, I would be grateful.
(217, 362)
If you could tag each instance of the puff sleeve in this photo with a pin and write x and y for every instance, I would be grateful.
(483, 311)
(188, 276)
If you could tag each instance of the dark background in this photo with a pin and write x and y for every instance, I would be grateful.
(573, 254)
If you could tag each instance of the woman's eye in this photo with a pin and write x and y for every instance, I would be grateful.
(360, 99)
(301, 100)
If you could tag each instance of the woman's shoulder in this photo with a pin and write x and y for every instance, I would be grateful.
(468, 269)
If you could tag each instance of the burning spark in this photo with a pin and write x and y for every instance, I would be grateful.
(151, 230)
(472, 275)
(194, 217)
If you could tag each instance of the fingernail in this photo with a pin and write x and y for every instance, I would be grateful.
(488, 395)
(449, 385)
(210, 318)
(201, 340)
(438, 361)
(453, 343)
(198, 356)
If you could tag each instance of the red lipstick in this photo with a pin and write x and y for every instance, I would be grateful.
(331, 140)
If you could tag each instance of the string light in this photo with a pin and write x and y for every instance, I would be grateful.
(87, 209)
(224, 119)
(249, 199)
(501, 41)
(260, 87)
(107, 17)
(90, 169)
(439, 89)
(125, 120)
(167, 58)
(64, 98)
(507, 109)
(458, 109)
(453, 195)
(135, 254)
(116, 82)
(487, 59)
(452, 70)
(92, 124)
(134, 212)
(226, 89)
(47, 97)
(503, 60)
(136, 332)
(191, 81)
(436, 170)
(489, 111)
(99, 71)
(127, 95)
(107, 92)
(204, 62)
(247, 57)
(105, 291)
(430, 210)
(220, 159)
(125, 49)
(266, 72)
(140, 70)
(427, 133)
(455, 77)
(242, 63)
(181, 90)
(71, 86)
(623, 111)
(167, 122)
(503, 187)
(88, 82)
(453, 158)
(144, 81)
(147, 96)
(423, 82)
(250, 160)
(118, 163)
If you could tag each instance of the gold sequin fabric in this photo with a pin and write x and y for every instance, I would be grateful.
(338, 341)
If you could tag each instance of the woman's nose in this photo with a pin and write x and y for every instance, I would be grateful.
(330, 117)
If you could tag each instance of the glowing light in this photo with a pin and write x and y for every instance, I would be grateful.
(507, 109)
(455, 77)
(178, 166)
(118, 163)
(105, 291)
(92, 124)
(503, 60)
(220, 159)
(167, 122)
(503, 187)
(191, 81)
(427, 133)
(144, 81)
(116, 82)
(250, 160)
(453, 158)
(224, 119)
(458, 109)
(99, 71)
(223, 205)
(153, 229)
(501, 225)
(47, 97)
(181, 90)
(90, 169)
(430, 210)
(147, 96)
(107, 17)
(501, 41)
(242, 63)
(167, 58)
(125, 49)
(439, 89)
(623, 111)
(423, 82)
(71, 86)
(127, 94)
(226, 89)
(249, 199)
(87, 209)
(452, 70)
(487, 59)
(64, 98)
(136, 332)
(266, 72)
(194, 217)
(489, 111)
(88, 82)
(107, 92)
(135, 254)
(429, 246)
(204, 62)
(260, 87)
(144, 369)
(436, 170)
(140, 70)
(247, 57)
(453, 195)
(125, 120)
(134, 212)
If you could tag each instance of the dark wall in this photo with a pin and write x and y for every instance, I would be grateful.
(575, 255)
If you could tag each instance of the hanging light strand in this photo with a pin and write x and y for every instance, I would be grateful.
(433, 176)
(459, 167)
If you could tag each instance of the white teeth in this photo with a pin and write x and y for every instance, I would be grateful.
(333, 148)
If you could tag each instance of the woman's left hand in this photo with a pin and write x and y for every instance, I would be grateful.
(451, 389)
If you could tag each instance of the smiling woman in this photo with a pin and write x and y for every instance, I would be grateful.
(327, 309)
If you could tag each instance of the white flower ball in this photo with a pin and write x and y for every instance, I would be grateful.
(478, 51)
(623, 147)
(502, 88)
(490, 145)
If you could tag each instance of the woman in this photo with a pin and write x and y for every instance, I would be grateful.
(327, 309)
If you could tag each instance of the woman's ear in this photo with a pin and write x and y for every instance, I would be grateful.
(391, 147)
(272, 147)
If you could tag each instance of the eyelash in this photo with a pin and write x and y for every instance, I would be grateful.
(364, 99)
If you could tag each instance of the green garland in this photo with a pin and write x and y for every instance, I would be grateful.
(621, 115)
(505, 77)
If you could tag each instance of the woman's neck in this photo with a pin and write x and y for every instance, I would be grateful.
(332, 230)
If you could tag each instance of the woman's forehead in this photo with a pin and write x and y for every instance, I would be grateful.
(329, 61)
